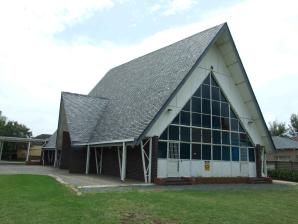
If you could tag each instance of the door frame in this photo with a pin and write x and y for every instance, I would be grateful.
(173, 160)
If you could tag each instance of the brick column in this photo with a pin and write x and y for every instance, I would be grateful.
(154, 158)
(258, 161)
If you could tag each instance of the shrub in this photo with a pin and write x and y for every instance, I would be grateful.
(288, 175)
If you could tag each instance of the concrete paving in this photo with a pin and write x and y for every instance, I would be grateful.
(77, 180)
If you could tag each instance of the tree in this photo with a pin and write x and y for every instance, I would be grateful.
(293, 127)
(13, 129)
(277, 128)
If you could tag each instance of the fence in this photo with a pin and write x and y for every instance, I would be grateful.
(282, 165)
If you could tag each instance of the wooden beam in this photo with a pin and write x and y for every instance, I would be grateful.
(100, 162)
(119, 160)
(143, 161)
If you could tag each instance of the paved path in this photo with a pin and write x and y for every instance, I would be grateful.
(78, 180)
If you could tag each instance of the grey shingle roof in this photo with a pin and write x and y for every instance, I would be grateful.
(51, 144)
(82, 114)
(284, 143)
(138, 89)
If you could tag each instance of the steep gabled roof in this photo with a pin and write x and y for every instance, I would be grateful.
(82, 113)
(139, 89)
(284, 143)
(51, 144)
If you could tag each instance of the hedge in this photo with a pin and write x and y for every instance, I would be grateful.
(287, 175)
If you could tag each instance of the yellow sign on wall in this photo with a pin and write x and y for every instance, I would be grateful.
(207, 165)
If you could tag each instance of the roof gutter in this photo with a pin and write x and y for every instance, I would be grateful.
(104, 142)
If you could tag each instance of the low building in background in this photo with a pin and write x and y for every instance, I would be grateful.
(286, 150)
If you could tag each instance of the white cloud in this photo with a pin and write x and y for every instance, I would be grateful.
(154, 8)
(34, 69)
(178, 6)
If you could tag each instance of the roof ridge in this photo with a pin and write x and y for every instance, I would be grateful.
(85, 95)
(157, 50)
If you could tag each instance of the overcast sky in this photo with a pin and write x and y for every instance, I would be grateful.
(51, 46)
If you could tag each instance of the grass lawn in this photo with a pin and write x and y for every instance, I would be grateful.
(40, 199)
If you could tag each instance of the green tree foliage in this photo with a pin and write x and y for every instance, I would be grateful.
(277, 128)
(293, 127)
(13, 129)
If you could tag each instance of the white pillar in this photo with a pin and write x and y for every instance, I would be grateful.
(56, 158)
(143, 161)
(96, 160)
(100, 162)
(123, 169)
(87, 160)
(1, 149)
(119, 160)
(28, 151)
(150, 159)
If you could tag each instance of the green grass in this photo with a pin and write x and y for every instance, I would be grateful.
(40, 199)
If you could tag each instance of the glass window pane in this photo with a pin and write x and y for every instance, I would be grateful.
(196, 135)
(164, 135)
(162, 150)
(185, 134)
(215, 93)
(235, 153)
(213, 82)
(224, 110)
(206, 152)
(184, 151)
(216, 153)
(196, 105)
(225, 123)
(186, 106)
(173, 132)
(205, 106)
(241, 129)
(226, 153)
(206, 121)
(176, 120)
(235, 138)
(206, 136)
(222, 97)
(196, 151)
(215, 122)
(243, 139)
(198, 92)
(232, 114)
(206, 91)
(216, 137)
(251, 154)
(207, 80)
(234, 125)
(215, 108)
(185, 118)
(243, 154)
(196, 119)
(225, 138)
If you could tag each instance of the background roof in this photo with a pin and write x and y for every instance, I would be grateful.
(284, 143)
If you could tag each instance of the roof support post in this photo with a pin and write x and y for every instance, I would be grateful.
(56, 157)
(42, 156)
(150, 160)
(87, 159)
(96, 160)
(119, 160)
(147, 160)
(1, 149)
(28, 151)
(100, 162)
(143, 161)
(123, 169)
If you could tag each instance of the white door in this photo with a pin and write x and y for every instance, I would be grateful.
(173, 159)
(244, 166)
